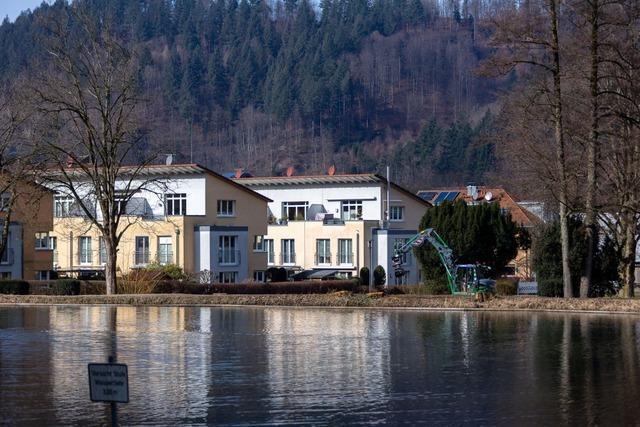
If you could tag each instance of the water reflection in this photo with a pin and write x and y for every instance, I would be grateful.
(321, 366)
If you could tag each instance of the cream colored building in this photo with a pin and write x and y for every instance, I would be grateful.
(187, 215)
(337, 224)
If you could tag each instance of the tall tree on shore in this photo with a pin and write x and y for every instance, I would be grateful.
(529, 39)
(91, 115)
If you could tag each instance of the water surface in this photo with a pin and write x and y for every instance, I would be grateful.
(247, 366)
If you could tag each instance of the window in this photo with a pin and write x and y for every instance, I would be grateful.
(62, 206)
(258, 244)
(84, 250)
(42, 275)
(42, 241)
(323, 251)
(226, 207)
(269, 248)
(396, 213)
(227, 277)
(227, 253)
(5, 200)
(165, 250)
(7, 255)
(294, 211)
(141, 256)
(258, 276)
(5, 275)
(397, 244)
(288, 251)
(102, 251)
(345, 251)
(351, 209)
(121, 199)
(175, 204)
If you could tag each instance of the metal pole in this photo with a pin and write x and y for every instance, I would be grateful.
(113, 358)
(388, 212)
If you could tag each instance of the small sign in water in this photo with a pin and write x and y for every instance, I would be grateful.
(108, 382)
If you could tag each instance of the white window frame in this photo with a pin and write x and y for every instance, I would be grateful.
(226, 208)
(323, 252)
(165, 256)
(259, 276)
(175, 204)
(42, 241)
(102, 251)
(269, 248)
(351, 210)
(288, 255)
(296, 208)
(345, 251)
(142, 256)
(62, 206)
(258, 243)
(396, 213)
(85, 254)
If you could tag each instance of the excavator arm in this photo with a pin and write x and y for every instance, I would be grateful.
(444, 253)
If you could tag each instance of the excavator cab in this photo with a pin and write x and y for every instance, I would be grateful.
(472, 278)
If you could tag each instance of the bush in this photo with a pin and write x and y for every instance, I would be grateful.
(66, 287)
(550, 288)
(506, 286)
(436, 287)
(14, 287)
(379, 276)
(141, 281)
(309, 287)
(364, 276)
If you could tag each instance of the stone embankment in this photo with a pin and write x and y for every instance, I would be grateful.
(341, 299)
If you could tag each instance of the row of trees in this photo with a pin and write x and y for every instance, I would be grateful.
(570, 130)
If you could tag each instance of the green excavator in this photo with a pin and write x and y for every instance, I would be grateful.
(463, 279)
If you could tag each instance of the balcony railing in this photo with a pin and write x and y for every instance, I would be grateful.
(141, 257)
(323, 259)
(287, 258)
(228, 257)
(345, 258)
(164, 257)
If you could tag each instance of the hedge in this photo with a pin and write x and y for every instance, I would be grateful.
(550, 288)
(302, 287)
(506, 286)
(14, 287)
(66, 287)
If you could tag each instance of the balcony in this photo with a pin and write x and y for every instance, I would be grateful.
(323, 259)
(228, 257)
(287, 258)
(345, 258)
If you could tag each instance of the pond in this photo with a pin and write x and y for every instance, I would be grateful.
(247, 366)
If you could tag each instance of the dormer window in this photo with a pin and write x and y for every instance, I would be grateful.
(175, 204)
(62, 206)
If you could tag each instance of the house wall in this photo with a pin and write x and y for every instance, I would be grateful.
(12, 265)
(384, 242)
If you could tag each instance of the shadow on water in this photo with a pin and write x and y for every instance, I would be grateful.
(294, 366)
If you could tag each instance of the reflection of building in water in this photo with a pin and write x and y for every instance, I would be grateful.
(344, 354)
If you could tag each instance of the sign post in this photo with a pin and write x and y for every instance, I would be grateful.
(109, 382)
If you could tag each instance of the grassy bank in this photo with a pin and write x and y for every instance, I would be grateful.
(340, 300)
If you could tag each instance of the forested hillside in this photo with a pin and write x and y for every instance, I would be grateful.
(264, 86)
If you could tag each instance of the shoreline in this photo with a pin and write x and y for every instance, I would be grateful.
(401, 302)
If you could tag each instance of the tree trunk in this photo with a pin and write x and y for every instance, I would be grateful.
(628, 261)
(560, 151)
(110, 267)
(592, 146)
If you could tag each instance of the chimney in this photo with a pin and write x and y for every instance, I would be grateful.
(332, 170)
(238, 173)
(290, 171)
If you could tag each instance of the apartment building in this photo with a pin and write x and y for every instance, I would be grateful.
(186, 215)
(28, 254)
(336, 224)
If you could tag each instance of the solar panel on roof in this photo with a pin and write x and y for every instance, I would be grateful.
(441, 197)
(452, 196)
(427, 195)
